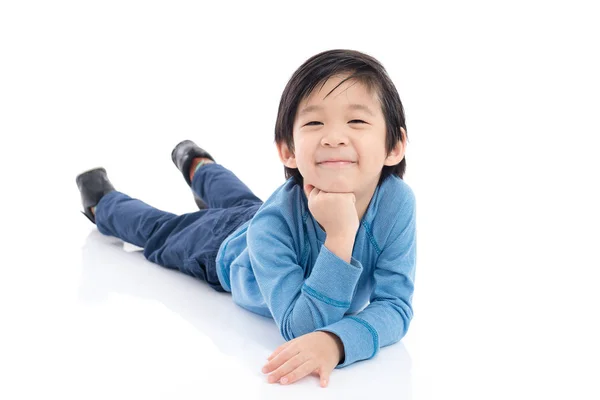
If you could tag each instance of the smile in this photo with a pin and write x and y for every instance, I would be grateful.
(336, 164)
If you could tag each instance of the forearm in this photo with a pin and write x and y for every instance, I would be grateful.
(326, 294)
(300, 305)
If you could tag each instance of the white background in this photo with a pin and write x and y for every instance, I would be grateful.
(501, 105)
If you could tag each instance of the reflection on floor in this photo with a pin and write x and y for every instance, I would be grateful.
(116, 276)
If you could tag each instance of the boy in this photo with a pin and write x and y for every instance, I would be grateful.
(338, 233)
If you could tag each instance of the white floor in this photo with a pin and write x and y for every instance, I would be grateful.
(501, 105)
(97, 320)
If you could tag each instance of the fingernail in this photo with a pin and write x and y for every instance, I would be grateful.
(264, 370)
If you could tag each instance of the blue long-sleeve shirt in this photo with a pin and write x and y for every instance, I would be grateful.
(276, 265)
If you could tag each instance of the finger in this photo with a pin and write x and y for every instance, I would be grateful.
(287, 367)
(278, 350)
(300, 372)
(324, 373)
(307, 189)
(315, 191)
(279, 359)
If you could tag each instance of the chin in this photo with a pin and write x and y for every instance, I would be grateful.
(335, 186)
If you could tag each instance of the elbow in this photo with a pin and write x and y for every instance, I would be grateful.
(405, 312)
(401, 314)
(403, 324)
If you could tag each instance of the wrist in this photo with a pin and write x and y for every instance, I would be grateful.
(341, 246)
(338, 344)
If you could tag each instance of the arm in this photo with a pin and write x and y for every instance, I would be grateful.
(298, 305)
(386, 319)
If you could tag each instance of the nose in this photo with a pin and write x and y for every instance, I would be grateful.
(334, 138)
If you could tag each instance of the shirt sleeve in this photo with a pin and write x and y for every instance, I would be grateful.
(386, 319)
(298, 305)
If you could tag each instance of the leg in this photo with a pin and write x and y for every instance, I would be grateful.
(220, 188)
(188, 242)
(136, 222)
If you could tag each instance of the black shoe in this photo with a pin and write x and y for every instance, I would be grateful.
(182, 155)
(93, 184)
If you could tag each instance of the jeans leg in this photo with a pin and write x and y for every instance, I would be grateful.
(138, 223)
(220, 188)
(128, 219)
(188, 242)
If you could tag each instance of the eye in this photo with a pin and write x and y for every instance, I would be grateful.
(354, 120)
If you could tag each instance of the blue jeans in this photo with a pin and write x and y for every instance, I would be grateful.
(188, 242)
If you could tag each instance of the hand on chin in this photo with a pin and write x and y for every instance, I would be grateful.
(331, 187)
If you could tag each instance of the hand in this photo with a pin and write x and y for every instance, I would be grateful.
(336, 212)
(317, 352)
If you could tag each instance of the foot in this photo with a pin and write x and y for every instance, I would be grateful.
(93, 185)
(183, 156)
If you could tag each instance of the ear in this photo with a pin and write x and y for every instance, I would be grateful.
(286, 156)
(397, 154)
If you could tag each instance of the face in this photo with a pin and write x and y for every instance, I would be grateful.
(339, 140)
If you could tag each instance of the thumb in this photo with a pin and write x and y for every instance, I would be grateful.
(324, 374)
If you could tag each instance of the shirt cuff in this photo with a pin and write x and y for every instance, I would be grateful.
(332, 279)
(360, 339)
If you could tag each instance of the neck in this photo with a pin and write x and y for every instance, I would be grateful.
(363, 199)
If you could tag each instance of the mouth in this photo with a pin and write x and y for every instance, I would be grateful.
(336, 163)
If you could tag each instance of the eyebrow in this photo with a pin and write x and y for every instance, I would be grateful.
(350, 106)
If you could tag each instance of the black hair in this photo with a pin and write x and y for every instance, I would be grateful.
(361, 67)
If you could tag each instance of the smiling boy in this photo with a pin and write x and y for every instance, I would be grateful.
(338, 234)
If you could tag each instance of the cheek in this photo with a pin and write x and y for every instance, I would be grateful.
(303, 153)
(372, 156)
